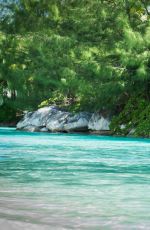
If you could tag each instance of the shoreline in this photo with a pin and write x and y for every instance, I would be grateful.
(90, 132)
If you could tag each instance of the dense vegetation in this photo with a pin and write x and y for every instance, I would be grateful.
(86, 55)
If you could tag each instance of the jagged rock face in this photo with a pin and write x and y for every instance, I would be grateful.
(31, 128)
(53, 119)
(78, 122)
(65, 121)
(38, 118)
(56, 122)
(98, 123)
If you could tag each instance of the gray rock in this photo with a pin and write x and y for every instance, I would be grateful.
(65, 121)
(55, 120)
(24, 121)
(31, 128)
(78, 122)
(38, 118)
(44, 129)
(98, 122)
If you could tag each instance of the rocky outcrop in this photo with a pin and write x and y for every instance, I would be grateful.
(54, 119)
(37, 119)
(57, 120)
(99, 123)
(31, 128)
(78, 122)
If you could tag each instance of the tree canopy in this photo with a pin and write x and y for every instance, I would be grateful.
(87, 55)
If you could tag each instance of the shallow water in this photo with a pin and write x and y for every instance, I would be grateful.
(70, 181)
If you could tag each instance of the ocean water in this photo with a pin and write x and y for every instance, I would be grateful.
(73, 181)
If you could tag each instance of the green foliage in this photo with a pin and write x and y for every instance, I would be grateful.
(86, 55)
(57, 99)
(7, 114)
(134, 118)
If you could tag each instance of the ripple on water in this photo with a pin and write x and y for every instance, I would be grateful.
(70, 181)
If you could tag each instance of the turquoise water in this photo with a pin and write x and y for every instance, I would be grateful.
(71, 181)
